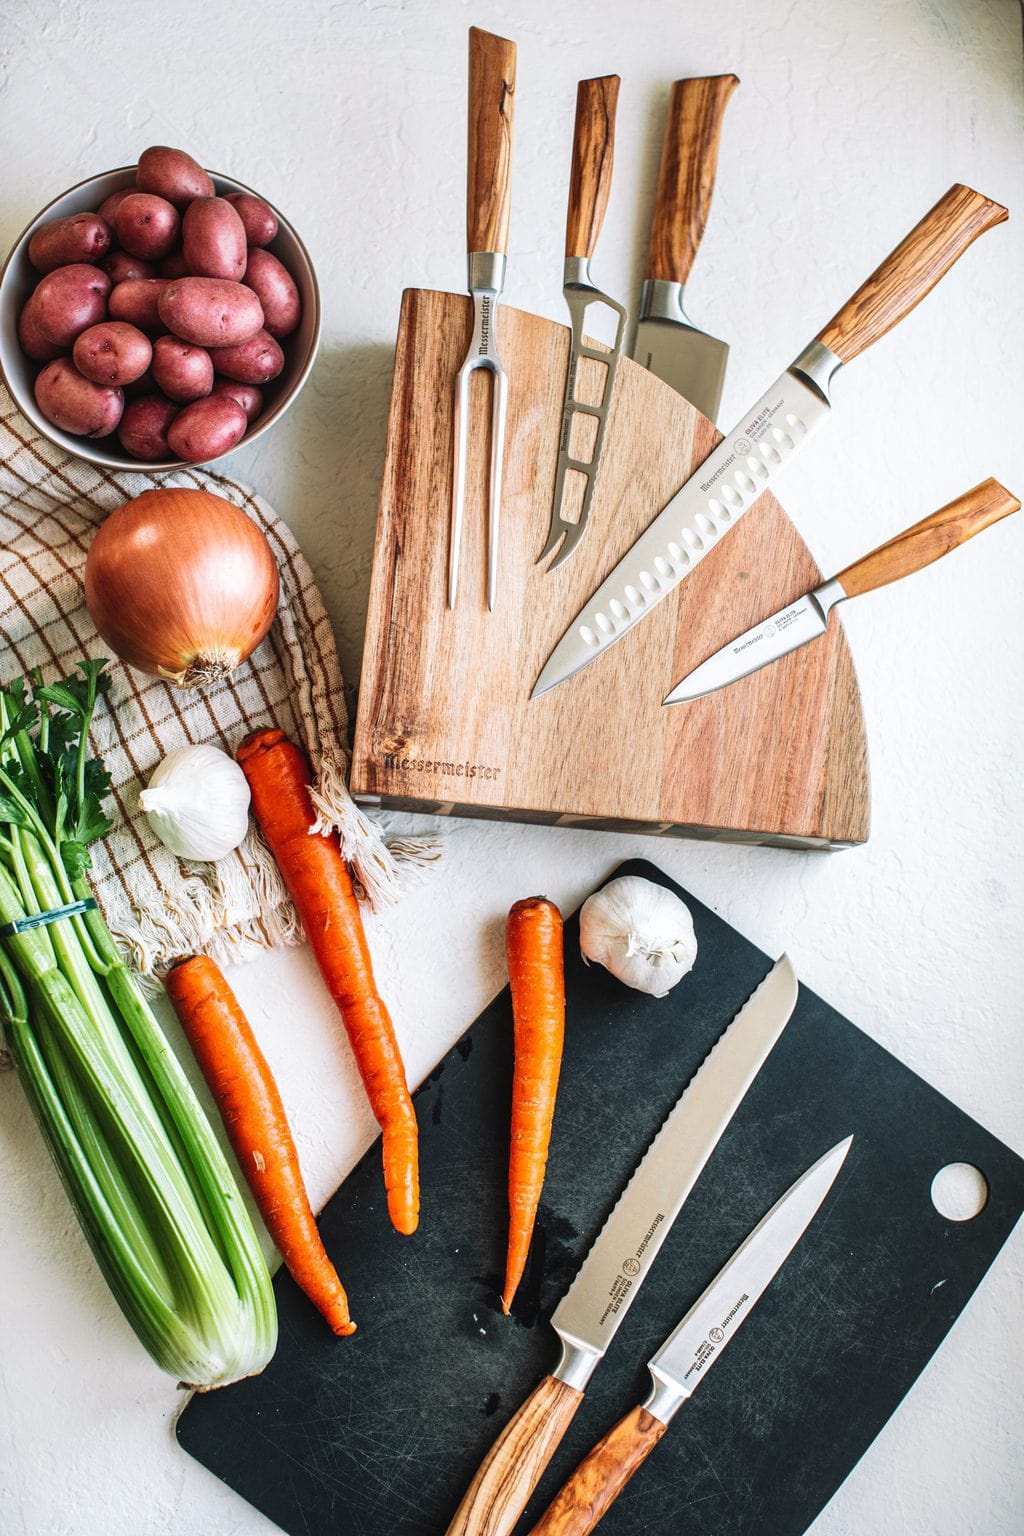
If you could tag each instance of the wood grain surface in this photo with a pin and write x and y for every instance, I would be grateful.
(911, 271)
(930, 539)
(512, 1468)
(492, 89)
(601, 1476)
(445, 721)
(686, 178)
(593, 149)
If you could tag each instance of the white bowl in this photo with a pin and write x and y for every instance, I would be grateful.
(19, 277)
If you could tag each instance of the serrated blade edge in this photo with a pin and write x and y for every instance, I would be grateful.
(621, 1255)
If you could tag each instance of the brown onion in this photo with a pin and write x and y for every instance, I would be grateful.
(182, 585)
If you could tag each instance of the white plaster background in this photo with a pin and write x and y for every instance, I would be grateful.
(853, 116)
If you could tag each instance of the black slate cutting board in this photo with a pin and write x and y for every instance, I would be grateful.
(378, 1435)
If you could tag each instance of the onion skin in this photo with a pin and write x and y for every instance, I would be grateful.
(181, 585)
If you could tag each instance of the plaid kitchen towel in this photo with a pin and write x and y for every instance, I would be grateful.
(50, 507)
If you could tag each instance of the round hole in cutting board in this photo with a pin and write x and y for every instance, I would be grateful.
(959, 1191)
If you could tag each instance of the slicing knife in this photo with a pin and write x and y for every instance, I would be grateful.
(621, 1256)
(733, 476)
(589, 186)
(807, 618)
(667, 341)
(492, 85)
(679, 1366)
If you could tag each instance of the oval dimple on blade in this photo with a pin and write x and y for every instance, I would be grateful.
(711, 502)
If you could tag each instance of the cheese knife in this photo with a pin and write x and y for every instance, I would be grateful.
(807, 618)
(679, 1366)
(590, 183)
(667, 341)
(733, 476)
(620, 1258)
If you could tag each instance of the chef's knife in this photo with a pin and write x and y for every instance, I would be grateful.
(733, 476)
(679, 1365)
(622, 1253)
(667, 341)
(807, 618)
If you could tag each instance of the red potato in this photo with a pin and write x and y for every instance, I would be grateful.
(258, 218)
(75, 404)
(112, 352)
(136, 300)
(121, 268)
(211, 311)
(172, 174)
(173, 264)
(111, 204)
(275, 288)
(206, 429)
(249, 396)
(31, 340)
(143, 429)
(146, 225)
(183, 371)
(79, 237)
(255, 361)
(67, 300)
(213, 239)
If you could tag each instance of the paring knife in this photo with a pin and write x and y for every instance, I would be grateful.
(618, 1262)
(667, 341)
(680, 1364)
(589, 186)
(733, 476)
(492, 84)
(807, 618)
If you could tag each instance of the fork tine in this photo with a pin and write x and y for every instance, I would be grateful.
(499, 414)
(458, 480)
(573, 533)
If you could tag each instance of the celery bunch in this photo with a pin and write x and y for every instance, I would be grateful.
(148, 1180)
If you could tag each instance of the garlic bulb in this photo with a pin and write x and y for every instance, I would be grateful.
(197, 803)
(640, 932)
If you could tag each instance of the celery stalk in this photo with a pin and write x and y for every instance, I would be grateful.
(151, 1187)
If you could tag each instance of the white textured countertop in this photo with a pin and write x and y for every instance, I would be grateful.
(851, 120)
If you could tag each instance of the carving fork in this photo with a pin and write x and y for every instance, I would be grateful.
(492, 82)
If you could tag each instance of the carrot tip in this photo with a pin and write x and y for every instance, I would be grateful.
(506, 1305)
(344, 1330)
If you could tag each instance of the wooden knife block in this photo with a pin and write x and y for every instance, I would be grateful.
(445, 722)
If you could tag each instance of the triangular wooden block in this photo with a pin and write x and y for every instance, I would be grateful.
(446, 723)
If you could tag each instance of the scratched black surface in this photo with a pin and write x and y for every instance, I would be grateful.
(378, 1435)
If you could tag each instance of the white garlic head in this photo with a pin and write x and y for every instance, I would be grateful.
(639, 931)
(197, 803)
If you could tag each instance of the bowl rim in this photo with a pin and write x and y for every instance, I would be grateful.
(126, 464)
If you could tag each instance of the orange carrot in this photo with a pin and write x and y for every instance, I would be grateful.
(320, 885)
(246, 1095)
(533, 943)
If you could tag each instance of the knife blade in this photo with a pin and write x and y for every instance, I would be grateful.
(732, 477)
(688, 1353)
(621, 1256)
(667, 342)
(807, 618)
(590, 185)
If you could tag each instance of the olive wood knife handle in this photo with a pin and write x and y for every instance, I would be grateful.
(512, 1467)
(930, 539)
(492, 86)
(593, 146)
(601, 1476)
(686, 179)
(911, 270)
